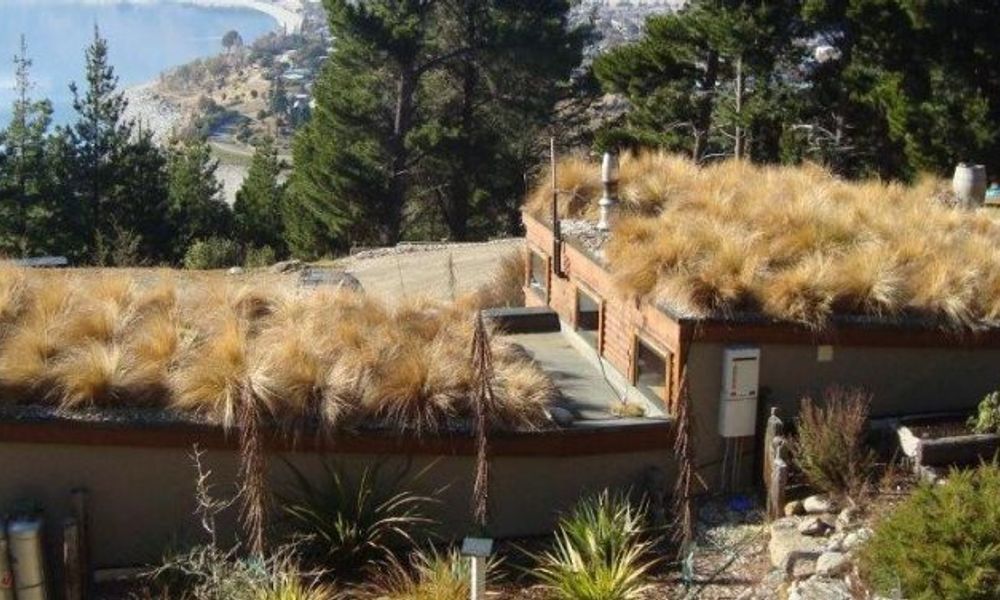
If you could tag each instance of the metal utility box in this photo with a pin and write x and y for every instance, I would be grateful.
(740, 384)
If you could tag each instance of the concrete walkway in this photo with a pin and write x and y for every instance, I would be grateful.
(585, 391)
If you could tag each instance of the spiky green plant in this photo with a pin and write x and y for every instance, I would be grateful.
(345, 524)
(600, 553)
(427, 575)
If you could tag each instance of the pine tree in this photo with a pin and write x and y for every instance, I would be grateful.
(259, 206)
(196, 208)
(704, 79)
(27, 208)
(119, 173)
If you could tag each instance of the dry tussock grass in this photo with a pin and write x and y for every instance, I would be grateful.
(796, 244)
(337, 357)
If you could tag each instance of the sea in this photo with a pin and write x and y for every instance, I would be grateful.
(145, 38)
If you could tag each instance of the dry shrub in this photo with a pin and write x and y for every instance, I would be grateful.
(337, 357)
(794, 243)
(506, 285)
(830, 447)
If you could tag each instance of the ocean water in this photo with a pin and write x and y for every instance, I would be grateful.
(144, 39)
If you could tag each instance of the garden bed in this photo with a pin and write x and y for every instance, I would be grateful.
(944, 440)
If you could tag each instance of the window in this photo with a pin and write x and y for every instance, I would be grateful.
(652, 371)
(538, 275)
(588, 318)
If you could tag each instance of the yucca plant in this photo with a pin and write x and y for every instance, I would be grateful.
(600, 552)
(345, 524)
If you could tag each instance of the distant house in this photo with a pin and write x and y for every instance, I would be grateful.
(746, 287)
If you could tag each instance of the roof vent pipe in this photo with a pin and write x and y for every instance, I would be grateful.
(609, 177)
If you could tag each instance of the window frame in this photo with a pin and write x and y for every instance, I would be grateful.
(542, 287)
(666, 355)
(581, 289)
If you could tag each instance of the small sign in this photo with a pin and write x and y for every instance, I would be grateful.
(480, 547)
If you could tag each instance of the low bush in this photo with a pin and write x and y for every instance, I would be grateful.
(260, 257)
(212, 253)
(942, 542)
(600, 551)
(830, 447)
(987, 417)
(343, 525)
(428, 575)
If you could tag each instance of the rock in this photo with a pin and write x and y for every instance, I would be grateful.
(819, 588)
(847, 517)
(813, 526)
(801, 567)
(832, 564)
(817, 504)
(835, 543)
(787, 541)
(560, 416)
(286, 266)
(235, 270)
(794, 508)
(856, 538)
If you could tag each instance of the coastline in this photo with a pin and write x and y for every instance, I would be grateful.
(288, 18)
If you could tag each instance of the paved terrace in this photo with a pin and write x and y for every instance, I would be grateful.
(586, 392)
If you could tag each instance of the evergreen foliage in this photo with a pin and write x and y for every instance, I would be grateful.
(259, 207)
(196, 210)
(941, 542)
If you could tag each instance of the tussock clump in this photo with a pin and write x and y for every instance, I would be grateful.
(338, 358)
(791, 243)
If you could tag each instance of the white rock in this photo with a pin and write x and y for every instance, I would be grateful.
(560, 416)
(235, 270)
(794, 508)
(813, 526)
(832, 564)
(847, 517)
(856, 539)
(817, 504)
(786, 541)
(819, 588)
(835, 542)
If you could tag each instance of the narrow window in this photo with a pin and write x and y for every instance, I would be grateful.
(538, 276)
(652, 371)
(588, 318)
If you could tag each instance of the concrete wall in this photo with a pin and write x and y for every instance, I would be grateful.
(142, 499)
(901, 381)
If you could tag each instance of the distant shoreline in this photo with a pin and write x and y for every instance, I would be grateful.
(287, 19)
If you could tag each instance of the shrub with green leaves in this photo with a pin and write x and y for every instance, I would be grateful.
(212, 253)
(942, 542)
(600, 552)
(830, 447)
(987, 417)
(344, 524)
(260, 257)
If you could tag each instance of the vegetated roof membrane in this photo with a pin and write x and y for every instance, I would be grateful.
(794, 244)
(101, 339)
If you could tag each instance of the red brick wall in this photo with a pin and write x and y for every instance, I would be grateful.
(622, 317)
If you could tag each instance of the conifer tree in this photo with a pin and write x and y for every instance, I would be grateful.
(119, 172)
(28, 204)
(259, 206)
(196, 208)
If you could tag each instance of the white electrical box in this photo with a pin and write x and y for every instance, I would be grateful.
(740, 384)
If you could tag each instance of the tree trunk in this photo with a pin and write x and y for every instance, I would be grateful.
(399, 155)
(463, 177)
(703, 120)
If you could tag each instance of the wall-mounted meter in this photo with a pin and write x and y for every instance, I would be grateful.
(740, 385)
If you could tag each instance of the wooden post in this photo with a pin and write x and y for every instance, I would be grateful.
(80, 498)
(776, 490)
(775, 472)
(73, 569)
